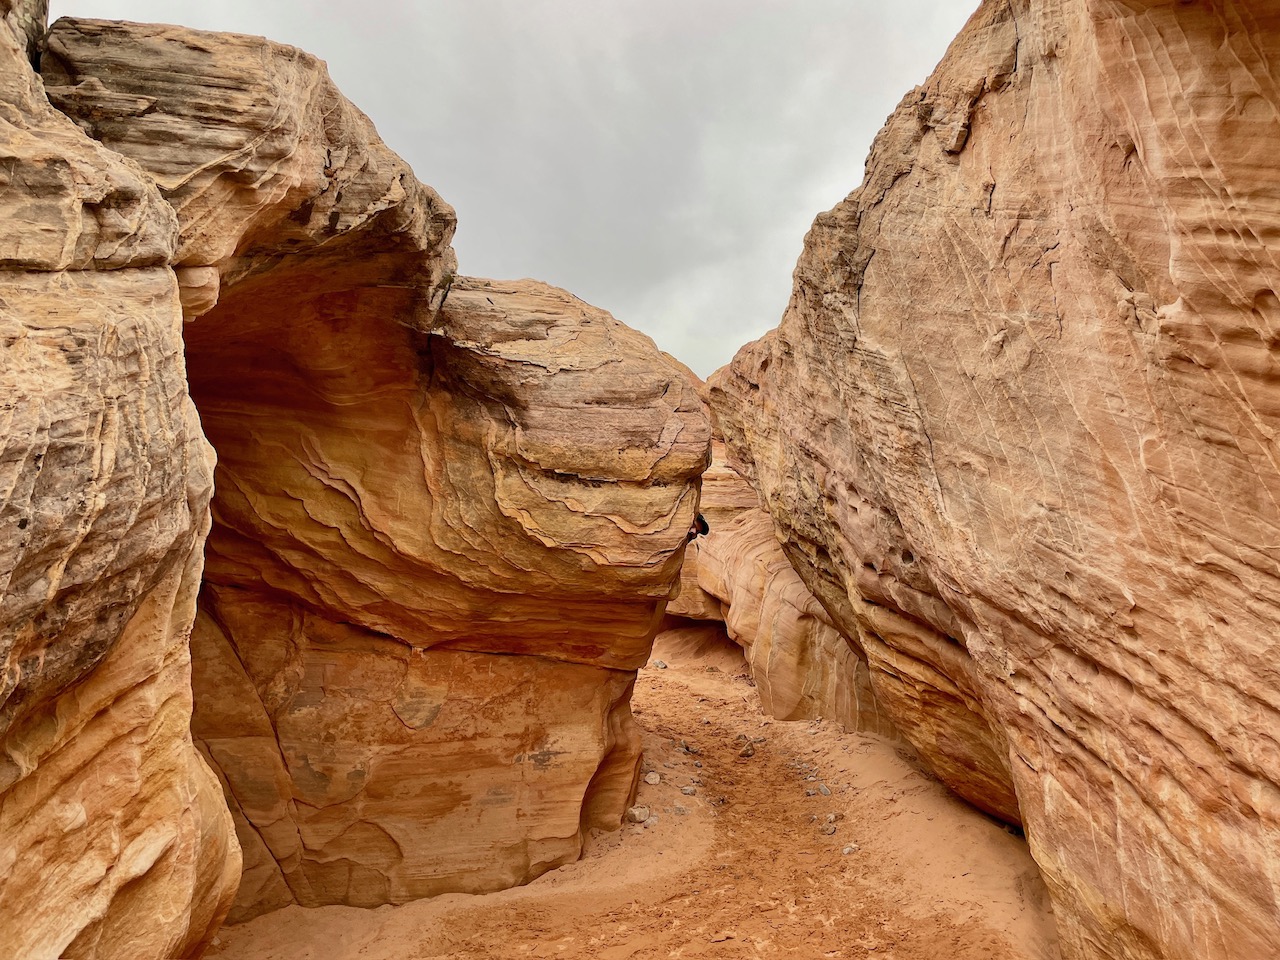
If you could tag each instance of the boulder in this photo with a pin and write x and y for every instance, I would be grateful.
(449, 510)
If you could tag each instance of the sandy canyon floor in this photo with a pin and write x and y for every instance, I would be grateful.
(745, 867)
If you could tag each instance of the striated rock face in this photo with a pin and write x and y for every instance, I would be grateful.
(725, 495)
(737, 574)
(114, 840)
(803, 667)
(442, 537)
(1017, 428)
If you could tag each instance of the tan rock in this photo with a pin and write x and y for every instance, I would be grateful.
(1016, 431)
(114, 840)
(443, 537)
(725, 495)
(803, 667)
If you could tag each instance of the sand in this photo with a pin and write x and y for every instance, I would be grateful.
(745, 871)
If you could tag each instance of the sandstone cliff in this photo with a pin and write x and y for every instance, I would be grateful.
(1017, 432)
(114, 840)
(449, 511)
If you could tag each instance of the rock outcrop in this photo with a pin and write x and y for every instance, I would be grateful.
(444, 529)
(114, 839)
(725, 496)
(802, 665)
(1017, 433)
(737, 575)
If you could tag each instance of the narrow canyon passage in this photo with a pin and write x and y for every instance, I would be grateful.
(746, 870)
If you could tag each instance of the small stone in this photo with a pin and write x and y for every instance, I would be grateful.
(638, 814)
(824, 790)
(748, 751)
(832, 818)
(697, 763)
(688, 748)
(653, 778)
(829, 829)
(689, 791)
(679, 810)
(653, 822)
(851, 848)
(811, 793)
(659, 665)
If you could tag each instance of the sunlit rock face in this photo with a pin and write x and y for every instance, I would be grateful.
(114, 839)
(449, 511)
(1017, 432)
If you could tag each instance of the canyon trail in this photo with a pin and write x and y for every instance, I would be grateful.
(745, 872)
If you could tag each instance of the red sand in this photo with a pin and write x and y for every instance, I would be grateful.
(746, 872)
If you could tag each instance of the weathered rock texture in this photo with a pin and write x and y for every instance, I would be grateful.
(114, 839)
(802, 665)
(725, 495)
(737, 574)
(442, 537)
(1017, 430)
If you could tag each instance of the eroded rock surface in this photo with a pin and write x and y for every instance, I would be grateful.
(114, 839)
(803, 666)
(1017, 432)
(737, 574)
(444, 529)
(725, 495)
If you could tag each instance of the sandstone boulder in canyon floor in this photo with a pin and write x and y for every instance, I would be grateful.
(1017, 430)
(449, 510)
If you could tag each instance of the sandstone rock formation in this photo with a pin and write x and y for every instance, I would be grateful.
(1017, 433)
(802, 665)
(725, 495)
(114, 839)
(444, 530)
(737, 574)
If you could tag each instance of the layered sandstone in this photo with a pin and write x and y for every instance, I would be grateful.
(114, 840)
(449, 511)
(802, 665)
(1016, 432)
(737, 575)
(725, 495)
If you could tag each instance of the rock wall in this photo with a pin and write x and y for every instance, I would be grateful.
(803, 666)
(1017, 432)
(737, 575)
(444, 528)
(114, 840)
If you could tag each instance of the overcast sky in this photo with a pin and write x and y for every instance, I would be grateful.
(661, 159)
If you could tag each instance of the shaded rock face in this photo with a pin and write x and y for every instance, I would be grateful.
(444, 529)
(803, 666)
(1016, 430)
(114, 839)
(737, 574)
(725, 495)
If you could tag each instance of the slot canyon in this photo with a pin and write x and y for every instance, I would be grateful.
(352, 605)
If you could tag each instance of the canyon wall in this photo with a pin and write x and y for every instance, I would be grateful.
(737, 575)
(449, 511)
(114, 838)
(1017, 432)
